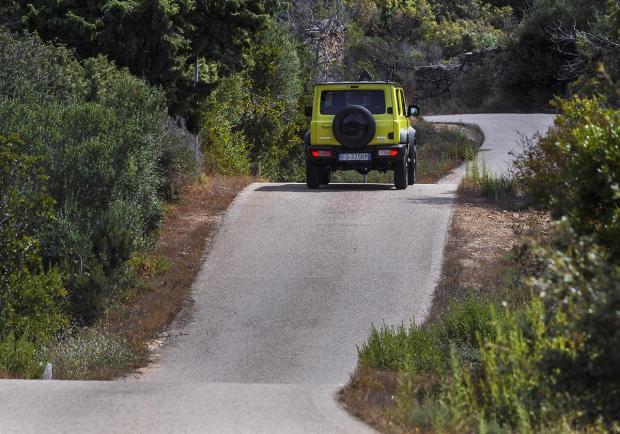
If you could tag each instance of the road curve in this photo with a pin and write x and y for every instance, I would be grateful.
(504, 134)
(291, 285)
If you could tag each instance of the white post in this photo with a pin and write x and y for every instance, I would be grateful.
(47, 374)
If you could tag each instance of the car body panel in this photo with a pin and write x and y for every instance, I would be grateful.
(321, 124)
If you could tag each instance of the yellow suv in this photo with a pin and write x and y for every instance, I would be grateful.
(360, 126)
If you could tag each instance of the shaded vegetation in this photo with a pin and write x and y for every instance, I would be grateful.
(85, 166)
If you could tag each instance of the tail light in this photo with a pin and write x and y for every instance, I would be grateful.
(316, 153)
(387, 152)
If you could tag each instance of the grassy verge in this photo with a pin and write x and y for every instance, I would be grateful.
(402, 370)
(155, 286)
(441, 148)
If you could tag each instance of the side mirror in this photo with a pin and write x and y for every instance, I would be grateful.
(308, 110)
(413, 110)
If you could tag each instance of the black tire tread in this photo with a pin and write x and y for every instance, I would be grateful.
(313, 176)
(400, 174)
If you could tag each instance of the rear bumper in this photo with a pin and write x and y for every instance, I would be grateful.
(376, 162)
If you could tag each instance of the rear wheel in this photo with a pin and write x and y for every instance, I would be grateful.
(313, 175)
(400, 173)
(411, 169)
(325, 175)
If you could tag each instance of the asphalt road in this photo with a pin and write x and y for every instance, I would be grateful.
(291, 285)
(504, 133)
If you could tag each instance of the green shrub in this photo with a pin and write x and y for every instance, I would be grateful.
(178, 163)
(555, 363)
(20, 358)
(107, 151)
(253, 120)
(30, 70)
(425, 348)
(575, 169)
(31, 296)
(580, 288)
(506, 388)
(225, 146)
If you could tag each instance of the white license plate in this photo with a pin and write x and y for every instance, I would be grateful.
(354, 156)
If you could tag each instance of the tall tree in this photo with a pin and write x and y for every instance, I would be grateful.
(156, 39)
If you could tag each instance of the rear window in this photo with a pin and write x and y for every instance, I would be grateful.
(334, 100)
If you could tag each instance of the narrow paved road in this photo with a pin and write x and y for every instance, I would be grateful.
(296, 277)
(292, 283)
(504, 133)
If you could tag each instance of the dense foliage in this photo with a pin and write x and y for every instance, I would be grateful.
(559, 43)
(87, 158)
(100, 137)
(157, 40)
(253, 120)
(575, 169)
(32, 296)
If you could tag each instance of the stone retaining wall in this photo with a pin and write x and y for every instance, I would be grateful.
(438, 80)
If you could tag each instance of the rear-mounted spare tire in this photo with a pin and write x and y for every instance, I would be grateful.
(353, 126)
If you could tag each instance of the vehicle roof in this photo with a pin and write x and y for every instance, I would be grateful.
(336, 83)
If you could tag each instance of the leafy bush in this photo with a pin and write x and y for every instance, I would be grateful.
(253, 120)
(225, 146)
(575, 169)
(557, 362)
(505, 389)
(106, 152)
(31, 296)
(22, 76)
(580, 288)
(177, 164)
(19, 358)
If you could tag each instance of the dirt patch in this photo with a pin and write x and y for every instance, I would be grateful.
(480, 249)
(368, 396)
(187, 230)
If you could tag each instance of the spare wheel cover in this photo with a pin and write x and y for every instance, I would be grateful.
(354, 126)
